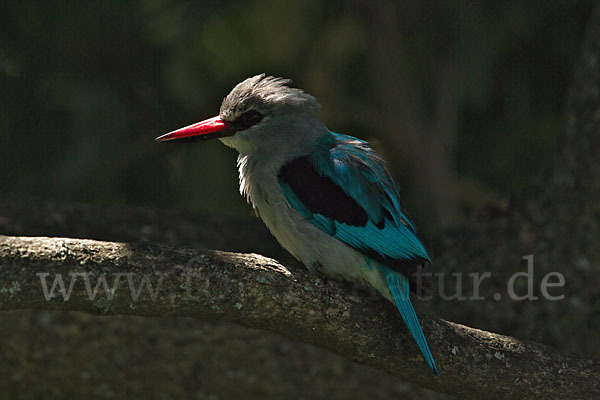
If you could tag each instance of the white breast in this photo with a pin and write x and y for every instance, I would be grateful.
(313, 247)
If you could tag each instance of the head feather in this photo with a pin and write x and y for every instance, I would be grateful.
(267, 95)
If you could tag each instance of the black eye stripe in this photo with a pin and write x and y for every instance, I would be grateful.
(247, 119)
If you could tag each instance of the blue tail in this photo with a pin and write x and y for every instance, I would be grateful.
(399, 286)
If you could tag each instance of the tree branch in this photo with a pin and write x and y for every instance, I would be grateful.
(259, 292)
(555, 218)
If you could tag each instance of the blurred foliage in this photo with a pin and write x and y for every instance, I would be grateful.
(86, 86)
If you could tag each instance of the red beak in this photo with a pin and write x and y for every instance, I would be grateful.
(203, 130)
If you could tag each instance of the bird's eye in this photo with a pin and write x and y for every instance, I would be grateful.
(248, 119)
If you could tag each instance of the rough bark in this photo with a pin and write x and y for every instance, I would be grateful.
(259, 292)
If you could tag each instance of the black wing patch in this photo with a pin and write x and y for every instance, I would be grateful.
(320, 194)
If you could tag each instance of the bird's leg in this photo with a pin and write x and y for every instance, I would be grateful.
(317, 269)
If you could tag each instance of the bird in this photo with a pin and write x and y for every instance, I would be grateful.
(327, 197)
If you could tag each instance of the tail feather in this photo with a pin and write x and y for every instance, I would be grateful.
(400, 288)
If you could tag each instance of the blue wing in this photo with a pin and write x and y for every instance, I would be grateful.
(345, 190)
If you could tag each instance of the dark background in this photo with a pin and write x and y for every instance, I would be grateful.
(464, 100)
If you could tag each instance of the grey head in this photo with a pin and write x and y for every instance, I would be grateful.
(269, 114)
(267, 95)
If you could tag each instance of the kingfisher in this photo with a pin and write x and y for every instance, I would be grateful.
(327, 197)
